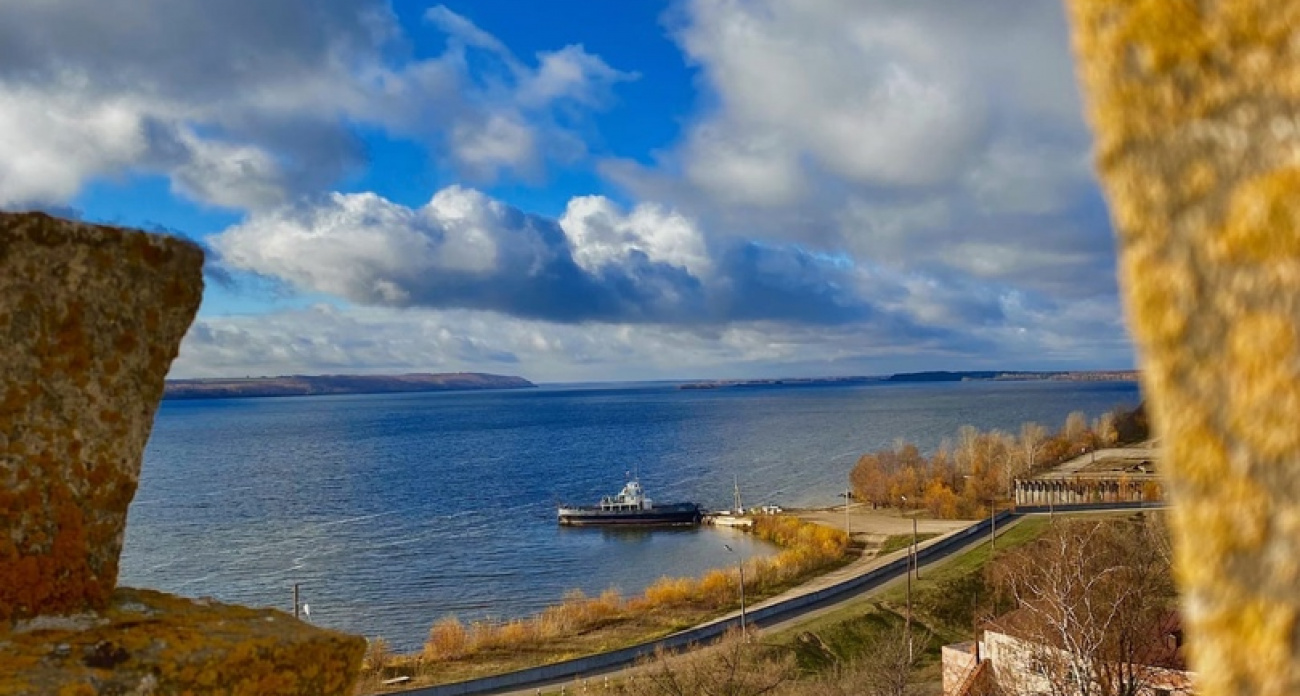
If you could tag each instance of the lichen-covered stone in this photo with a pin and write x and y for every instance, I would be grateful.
(147, 642)
(90, 320)
(1196, 109)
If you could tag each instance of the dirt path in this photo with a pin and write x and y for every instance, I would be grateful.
(870, 526)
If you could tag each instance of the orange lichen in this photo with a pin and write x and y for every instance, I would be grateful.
(183, 646)
(1193, 107)
(1263, 218)
(78, 394)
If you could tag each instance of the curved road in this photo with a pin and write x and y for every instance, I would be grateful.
(812, 599)
(798, 604)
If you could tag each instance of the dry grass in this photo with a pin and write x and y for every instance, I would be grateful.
(581, 625)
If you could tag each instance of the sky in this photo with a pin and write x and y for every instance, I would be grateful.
(578, 190)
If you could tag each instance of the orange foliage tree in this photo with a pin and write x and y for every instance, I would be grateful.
(961, 481)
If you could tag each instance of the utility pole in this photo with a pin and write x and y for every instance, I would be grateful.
(993, 527)
(908, 630)
(740, 564)
(295, 600)
(848, 495)
(916, 562)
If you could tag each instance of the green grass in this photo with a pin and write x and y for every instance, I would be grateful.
(900, 541)
(951, 596)
(945, 600)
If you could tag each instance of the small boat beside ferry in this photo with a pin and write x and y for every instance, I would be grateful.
(630, 507)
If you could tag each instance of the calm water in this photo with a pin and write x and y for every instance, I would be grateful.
(395, 510)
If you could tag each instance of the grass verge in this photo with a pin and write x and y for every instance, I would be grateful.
(900, 541)
(945, 603)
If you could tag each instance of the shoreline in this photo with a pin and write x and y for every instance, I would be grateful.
(862, 551)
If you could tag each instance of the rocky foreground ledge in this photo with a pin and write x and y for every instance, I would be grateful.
(147, 642)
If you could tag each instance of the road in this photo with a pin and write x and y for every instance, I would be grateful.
(812, 599)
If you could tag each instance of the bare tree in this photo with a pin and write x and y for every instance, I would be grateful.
(1104, 429)
(883, 669)
(1005, 453)
(886, 669)
(1092, 600)
(1032, 438)
(734, 667)
(1076, 427)
(967, 451)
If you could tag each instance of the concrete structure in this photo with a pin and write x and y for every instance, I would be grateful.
(964, 673)
(1086, 490)
(1003, 663)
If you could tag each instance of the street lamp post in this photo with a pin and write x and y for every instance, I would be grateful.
(740, 564)
(848, 495)
(911, 548)
(911, 563)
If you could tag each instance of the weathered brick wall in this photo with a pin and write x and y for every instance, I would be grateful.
(1196, 111)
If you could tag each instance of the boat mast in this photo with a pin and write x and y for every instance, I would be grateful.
(736, 480)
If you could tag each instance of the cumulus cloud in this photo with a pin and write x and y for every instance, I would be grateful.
(929, 136)
(328, 339)
(596, 263)
(247, 104)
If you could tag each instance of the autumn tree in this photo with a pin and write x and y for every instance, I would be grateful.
(1131, 425)
(1076, 428)
(1092, 604)
(1103, 430)
(870, 481)
(1030, 444)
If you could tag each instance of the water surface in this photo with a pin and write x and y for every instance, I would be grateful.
(392, 511)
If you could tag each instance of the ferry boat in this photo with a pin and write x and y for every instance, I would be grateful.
(630, 507)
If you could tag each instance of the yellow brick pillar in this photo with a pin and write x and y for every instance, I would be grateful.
(1196, 110)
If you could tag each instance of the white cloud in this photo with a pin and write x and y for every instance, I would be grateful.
(327, 339)
(501, 142)
(227, 174)
(245, 106)
(52, 141)
(930, 138)
(364, 247)
(600, 235)
(596, 263)
(858, 90)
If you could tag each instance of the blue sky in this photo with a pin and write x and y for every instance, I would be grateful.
(583, 190)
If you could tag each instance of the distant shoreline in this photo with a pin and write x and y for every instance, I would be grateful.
(323, 385)
(934, 376)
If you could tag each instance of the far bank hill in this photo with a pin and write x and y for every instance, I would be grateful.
(316, 385)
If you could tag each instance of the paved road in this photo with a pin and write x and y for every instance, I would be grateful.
(794, 619)
(860, 578)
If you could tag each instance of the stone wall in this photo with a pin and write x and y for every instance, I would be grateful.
(91, 318)
(1195, 105)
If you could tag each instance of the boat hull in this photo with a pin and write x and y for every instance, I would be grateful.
(680, 515)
